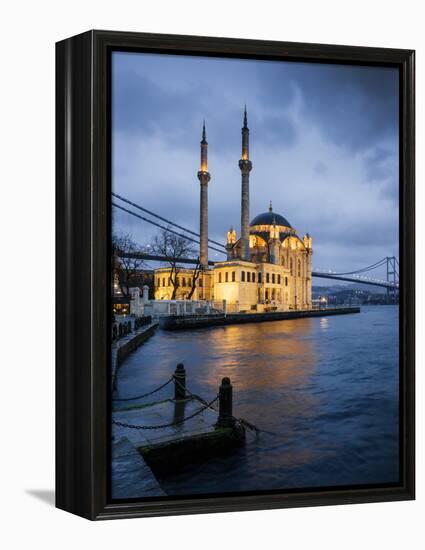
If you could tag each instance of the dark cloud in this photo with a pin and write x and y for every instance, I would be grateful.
(354, 106)
(324, 145)
(379, 164)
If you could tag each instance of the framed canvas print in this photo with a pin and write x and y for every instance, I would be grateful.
(235, 274)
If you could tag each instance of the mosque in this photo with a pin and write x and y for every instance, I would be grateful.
(267, 268)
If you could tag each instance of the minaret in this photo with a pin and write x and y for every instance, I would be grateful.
(274, 242)
(231, 241)
(204, 177)
(245, 165)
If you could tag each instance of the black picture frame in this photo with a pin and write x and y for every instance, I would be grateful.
(83, 283)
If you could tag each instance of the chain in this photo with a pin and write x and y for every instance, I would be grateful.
(241, 420)
(145, 394)
(194, 395)
(160, 426)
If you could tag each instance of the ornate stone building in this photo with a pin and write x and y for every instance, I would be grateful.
(267, 267)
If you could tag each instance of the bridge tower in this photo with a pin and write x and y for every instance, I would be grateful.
(204, 177)
(245, 166)
(391, 278)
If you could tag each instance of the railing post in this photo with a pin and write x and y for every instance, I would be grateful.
(225, 406)
(180, 382)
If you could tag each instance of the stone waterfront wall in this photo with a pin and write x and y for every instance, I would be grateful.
(123, 347)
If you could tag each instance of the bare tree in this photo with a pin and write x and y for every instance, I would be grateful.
(195, 277)
(174, 248)
(125, 266)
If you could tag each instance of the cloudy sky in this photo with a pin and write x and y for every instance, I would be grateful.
(323, 143)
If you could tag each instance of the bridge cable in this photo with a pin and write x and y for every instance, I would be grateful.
(362, 270)
(161, 218)
(163, 227)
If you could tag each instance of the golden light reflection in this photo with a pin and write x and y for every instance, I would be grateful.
(282, 350)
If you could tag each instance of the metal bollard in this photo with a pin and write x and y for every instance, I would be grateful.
(180, 382)
(225, 405)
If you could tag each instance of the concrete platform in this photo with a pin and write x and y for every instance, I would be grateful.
(173, 447)
(131, 476)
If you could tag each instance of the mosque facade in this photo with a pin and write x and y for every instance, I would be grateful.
(268, 266)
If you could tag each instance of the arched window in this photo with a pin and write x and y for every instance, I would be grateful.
(243, 276)
(233, 276)
(278, 279)
(219, 277)
(273, 278)
(259, 277)
(286, 281)
(163, 281)
(267, 277)
(253, 277)
(248, 276)
(226, 276)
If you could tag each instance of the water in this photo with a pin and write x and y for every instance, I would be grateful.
(324, 390)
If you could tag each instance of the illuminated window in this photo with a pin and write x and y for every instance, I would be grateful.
(233, 276)
(226, 277)
(248, 276)
(243, 276)
(219, 277)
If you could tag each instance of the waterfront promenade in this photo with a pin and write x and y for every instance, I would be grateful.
(181, 322)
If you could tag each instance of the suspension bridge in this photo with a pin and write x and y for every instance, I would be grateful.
(390, 264)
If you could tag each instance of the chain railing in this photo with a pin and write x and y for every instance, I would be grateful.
(145, 394)
(169, 425)
(123, 328)
(181, 392)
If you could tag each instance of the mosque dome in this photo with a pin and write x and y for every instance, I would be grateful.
(270, 218)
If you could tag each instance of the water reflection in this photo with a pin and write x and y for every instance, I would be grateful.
(324, 323)
(259, 356)
(323, 390)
